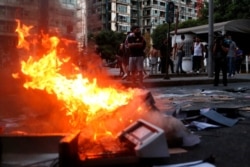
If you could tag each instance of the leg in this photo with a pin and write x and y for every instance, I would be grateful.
(229, 60)
(224, 72)
(217, 73)
(171, 63)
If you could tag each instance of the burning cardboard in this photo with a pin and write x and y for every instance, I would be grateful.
(98, 110)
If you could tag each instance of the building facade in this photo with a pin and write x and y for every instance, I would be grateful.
(119, 15)
(53, 16)
(75, 19)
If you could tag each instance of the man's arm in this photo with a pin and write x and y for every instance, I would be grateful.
(135, 45)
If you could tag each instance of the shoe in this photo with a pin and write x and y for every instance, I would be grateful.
(215, 84)
(183, 72)
(124, 76)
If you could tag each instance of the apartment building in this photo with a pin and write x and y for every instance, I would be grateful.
(75, 19)
(119, 15)
(53, 16)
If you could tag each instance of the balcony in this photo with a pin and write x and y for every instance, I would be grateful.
(125, 2)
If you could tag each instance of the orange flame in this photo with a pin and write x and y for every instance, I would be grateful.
(88, 104)
(23, 31)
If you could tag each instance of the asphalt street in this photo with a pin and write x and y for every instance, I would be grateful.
(186, 94)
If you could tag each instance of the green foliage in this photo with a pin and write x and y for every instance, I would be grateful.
(189, 23)
(108, 42)
(225, 10)
(159, 34)
(204, 14)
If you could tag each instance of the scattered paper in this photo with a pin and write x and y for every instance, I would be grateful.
(203, 125)
(177, 150)
(217, 117)
(189, 164)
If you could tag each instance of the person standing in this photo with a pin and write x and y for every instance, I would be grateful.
(126, 54)
(180, 54)
(136, 45)
(170, 60)
(119, 56)
(220, 50)
(238, 60)
(163, 55)
(231, 55)
(153, 54)
(198, 55)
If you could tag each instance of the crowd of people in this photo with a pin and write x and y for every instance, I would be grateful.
(131, 56)
(228, 58)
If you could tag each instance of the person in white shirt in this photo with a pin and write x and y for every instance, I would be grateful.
(198, 55)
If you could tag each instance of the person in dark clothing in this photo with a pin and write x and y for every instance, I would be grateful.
(163, 54)
(170, 61)
(220, 50)
(238, 59)
(136, 45)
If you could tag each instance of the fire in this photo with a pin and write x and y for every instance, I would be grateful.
(94, 108)
(23, 31)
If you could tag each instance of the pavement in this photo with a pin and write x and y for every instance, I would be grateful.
(228, 146)
(159, 80)
(187, 94)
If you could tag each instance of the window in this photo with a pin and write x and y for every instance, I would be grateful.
(124, 1)
(2, 11)
(122, 19)
(69, 1)
(123, 28)
(121, 8)
(28, 1)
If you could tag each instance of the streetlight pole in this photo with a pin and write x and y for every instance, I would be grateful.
(85, 26)
(168, 52)
(169, 20)
(210, 39)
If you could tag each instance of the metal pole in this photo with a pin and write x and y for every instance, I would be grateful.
(84, 14)
(106, 15)
(138, 13)
(210, 39)
(168, 52)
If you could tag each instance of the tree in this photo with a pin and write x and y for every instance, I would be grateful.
(108, 42)
(159, 34)
(225, 10)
